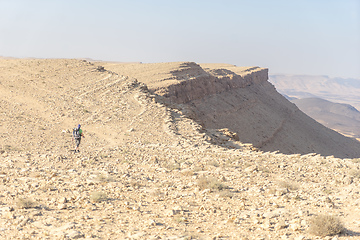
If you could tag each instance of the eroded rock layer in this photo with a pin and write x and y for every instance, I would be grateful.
(147, 170)
(241, 99)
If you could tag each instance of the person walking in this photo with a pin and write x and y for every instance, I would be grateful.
(77, 135)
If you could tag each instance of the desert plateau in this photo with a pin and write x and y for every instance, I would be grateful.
(177, 150)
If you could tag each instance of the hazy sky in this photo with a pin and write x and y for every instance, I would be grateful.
(286, 36)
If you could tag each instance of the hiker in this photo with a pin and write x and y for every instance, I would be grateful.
(77, 134)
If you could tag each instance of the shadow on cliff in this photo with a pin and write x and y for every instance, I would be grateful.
(250, 106)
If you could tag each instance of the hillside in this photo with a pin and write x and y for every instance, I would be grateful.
(338, 90)
(341, 117)
(168, 153)
(222, 96)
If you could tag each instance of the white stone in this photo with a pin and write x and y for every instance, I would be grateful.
(75, 234)
(295, 226)
(63, 200)
(62, 206)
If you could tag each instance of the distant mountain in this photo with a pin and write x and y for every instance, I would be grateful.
(334, 102)
(343, 118)
(332, 89)
(289, 98)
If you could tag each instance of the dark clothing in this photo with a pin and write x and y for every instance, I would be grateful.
(77, 141)
(77, 134)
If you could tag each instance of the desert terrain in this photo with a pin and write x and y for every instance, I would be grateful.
(334, 102)
(334, 89)
(171, 151)
(341, 117)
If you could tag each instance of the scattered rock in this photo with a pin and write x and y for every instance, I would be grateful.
(62, 206)
(143, 157)
(73, 234)
(280, 225)
(250, 169)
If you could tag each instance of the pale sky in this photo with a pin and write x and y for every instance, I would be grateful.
(312, 37)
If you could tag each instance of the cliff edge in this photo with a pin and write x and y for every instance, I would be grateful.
(240, 99)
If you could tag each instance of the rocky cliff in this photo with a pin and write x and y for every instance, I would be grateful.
(241, 99)
(194, 83)
(146, 170)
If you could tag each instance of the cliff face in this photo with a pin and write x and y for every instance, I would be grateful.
(240, 99)
(143, 155)
(243, 101)
(195, 83)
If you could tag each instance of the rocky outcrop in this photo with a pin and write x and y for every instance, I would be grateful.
(242, 100)
(194, 83)
(146, 171)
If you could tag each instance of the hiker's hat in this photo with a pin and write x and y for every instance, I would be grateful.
(79, 126)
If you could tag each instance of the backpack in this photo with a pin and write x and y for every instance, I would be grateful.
(76, 133)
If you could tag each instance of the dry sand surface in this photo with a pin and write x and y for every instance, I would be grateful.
(171, 151)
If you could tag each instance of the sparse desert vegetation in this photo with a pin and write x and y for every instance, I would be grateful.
(25, 203)
(98, 196)
(210, 183)
(354, 173)
(148, 168)
(325, 225)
